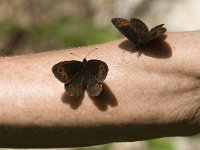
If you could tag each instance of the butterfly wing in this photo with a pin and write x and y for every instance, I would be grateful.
(97, 72)
(77, 85)
(65, 71)
(139, 27)
(155, 33)
(70, 73)
(124, 26)
(93, 87)
(97, 68)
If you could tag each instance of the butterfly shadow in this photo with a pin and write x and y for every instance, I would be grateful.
(105, 99)
(157, 48)
(74, 102)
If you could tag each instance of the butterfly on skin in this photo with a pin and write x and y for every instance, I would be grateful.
(80, 76)
(137, 32)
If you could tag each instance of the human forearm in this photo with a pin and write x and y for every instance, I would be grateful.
(143, 97)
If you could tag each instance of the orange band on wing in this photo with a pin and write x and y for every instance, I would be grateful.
(122, 23)
(101, 71)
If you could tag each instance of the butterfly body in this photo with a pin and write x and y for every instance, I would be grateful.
(137, 32)
(80, 76)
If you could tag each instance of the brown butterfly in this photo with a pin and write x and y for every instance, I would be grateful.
(136, 30)
(80, 76)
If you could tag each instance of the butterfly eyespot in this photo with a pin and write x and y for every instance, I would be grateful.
(64, 76)
(101, 67)
(118, 23)
(60, 69)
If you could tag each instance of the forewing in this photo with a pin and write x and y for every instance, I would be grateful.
(65, 71)
(98, 69)
(139, 27)
(77, 85)
(155, 33)
(125, 28)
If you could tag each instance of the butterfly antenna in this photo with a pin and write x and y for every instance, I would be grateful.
(76, 55)
(91, 52)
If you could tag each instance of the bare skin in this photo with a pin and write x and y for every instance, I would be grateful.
(155, 95)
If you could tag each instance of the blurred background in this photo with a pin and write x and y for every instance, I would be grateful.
(31, 26)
